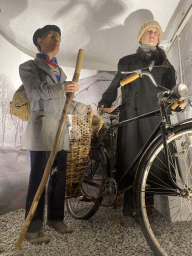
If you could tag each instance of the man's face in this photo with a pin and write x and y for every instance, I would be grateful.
(150, 37)
(50, 43)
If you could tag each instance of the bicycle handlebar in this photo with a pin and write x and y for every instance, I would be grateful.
(182, 93)
(176, 104)
(138, 74)
(129, 79)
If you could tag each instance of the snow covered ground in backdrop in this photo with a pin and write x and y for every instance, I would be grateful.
(14, 176)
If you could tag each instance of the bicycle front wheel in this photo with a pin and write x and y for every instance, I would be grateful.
(161, 206)
(86, 205)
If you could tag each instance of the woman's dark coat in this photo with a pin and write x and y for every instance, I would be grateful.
(138, 97)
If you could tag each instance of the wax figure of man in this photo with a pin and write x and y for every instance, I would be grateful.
(138, 97)
(46, 86)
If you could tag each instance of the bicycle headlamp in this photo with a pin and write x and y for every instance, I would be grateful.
(179, 92)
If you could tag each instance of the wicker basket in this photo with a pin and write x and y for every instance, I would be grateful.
(82, 129)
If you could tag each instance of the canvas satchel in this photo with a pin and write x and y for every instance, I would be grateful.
(20, 104)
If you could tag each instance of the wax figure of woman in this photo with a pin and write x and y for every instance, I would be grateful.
(46, 86)
(138, 97)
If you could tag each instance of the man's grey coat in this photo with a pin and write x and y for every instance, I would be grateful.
(47, 101)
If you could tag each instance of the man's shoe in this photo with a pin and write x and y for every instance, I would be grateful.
(37, 237)
(60, 227)
(127, 221)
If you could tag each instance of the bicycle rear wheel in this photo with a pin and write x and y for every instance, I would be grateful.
(86, 205)
(160, 203)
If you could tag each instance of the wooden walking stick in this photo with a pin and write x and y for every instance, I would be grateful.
(52, 156)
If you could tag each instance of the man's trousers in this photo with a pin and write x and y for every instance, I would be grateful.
(55, 188)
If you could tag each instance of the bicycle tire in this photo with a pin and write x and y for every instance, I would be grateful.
(85, 206)
(174, 219)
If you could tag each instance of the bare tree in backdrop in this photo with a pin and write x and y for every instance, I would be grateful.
(6, 95)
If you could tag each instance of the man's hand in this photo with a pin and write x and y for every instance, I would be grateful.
(71, 86)
(89, 109)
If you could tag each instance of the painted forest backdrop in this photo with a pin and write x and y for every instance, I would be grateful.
(12, 128)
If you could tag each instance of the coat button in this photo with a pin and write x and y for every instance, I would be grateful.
(137, 109)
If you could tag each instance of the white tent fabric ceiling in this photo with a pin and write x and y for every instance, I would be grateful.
(106, 30)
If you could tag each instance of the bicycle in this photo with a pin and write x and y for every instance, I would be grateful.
(168, 149)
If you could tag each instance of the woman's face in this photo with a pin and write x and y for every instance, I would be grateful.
(150, 37)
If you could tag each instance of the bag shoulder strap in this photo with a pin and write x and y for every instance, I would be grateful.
(36, 65)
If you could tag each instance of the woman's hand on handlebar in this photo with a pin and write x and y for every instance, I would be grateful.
(182, 103)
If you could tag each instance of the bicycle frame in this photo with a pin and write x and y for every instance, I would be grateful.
(162, 129)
